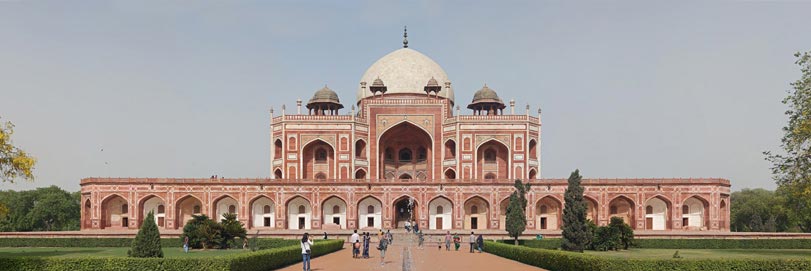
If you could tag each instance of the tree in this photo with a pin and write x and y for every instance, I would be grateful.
(199, 237)
(147, 243)
(792, 168)
(759, 210)
(42, 209)
(516, 219)
(14, 162)
(616, 235)
(231, 229)
(575, 230)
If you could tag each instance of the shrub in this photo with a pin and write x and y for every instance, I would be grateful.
(562, 260)
(147, 243)
(552, 243)
(231, 229)
(260, 260)
(261, 243)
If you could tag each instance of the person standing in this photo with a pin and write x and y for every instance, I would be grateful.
(415, 227)
(389, 236)
(472, 241)
(186, 244)
(383, 246)
(355, 241)
(448, 241)
(480, 243)
(366, 241)
(408, 226)
(306, 246)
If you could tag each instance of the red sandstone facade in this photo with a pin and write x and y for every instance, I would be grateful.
(361, 170)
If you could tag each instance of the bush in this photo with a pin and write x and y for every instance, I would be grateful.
(262, 243)
(147, 243)
(231, 229)
(561, 260)
(554, 243)
(249, 261)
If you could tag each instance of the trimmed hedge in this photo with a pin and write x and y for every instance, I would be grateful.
(688, 243)
(260, 260)
(573, 261)
(263, 243)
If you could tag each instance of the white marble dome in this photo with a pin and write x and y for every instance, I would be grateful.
(405, 71)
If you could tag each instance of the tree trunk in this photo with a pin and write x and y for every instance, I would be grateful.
(515, 242)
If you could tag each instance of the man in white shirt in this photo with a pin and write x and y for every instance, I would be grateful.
(355, 241)
(472, 241)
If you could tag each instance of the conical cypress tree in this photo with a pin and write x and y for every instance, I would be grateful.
(147, 243)
(516, 219)
(575, 230)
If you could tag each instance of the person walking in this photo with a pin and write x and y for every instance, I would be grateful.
(389, 236)
(408, 226)
(457, 241)
(355, 241)
(366, 241)
(448, 241)
(186, 244)
(421, 239)
(383, 246)
(480, 243)
(472, 241)
(306, 245)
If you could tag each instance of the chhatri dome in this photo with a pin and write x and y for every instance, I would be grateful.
(405, 71)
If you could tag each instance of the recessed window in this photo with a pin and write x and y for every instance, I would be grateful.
(440, 209)
(370, 209)
(196, 209)
(124, 208)
(649, 210)
(266, 209)
(301, 209)
(490, 155)
(405, 155)
(474, 209)
(336, 209)
(321, 155)
(232, 209)
(161, 209)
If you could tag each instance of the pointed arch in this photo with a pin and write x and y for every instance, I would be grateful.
(477, 212)
(401, 147)
(404, 210)
(299, 212)
(549, 213)
(533, 149)
(277, 174)
(334, 211)
(697, 215)
(623, 207)
(224, 204)
(657, 213)
(156, 205)
(502, 213)
(370, 212)
(360, 174)
(360, 149)
(185, 207)
(440, 213)
(492, 159)
(533, 174)
(592, 209)
(277, 149)
(262, 212)
(450, 149)
(318, 156)
(450, 174)
(115, 212)
(87, 211)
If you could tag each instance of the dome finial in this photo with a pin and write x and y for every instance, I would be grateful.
(405, 36)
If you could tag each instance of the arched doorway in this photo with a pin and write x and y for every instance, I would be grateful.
(492, 159)
(450, 149)
(657, 214)
(360, 149)
(158, 208)
(263, 213)
(360, 174)
(87, 223)
(185, 208)
(334, 213)
(405, 150)
(370, 213)
(405, 209)
(548, 212)
(318, 160)
(115, 212)
(591, 209)
(622, 207)
(440, 214)
(225, 205)
(724, 215)
(477, 210)
(694, 215)
(277, 149)
(299, 214)
(502, 214)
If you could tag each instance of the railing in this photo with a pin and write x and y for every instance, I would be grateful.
(587, 182)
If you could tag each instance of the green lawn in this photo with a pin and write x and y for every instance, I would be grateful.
(650, 253)
(106, 252)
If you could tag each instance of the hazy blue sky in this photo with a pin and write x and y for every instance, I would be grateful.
(182, 89)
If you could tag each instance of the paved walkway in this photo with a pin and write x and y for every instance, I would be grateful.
(404, 255)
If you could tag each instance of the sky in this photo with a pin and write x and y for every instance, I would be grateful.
(629, 89)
